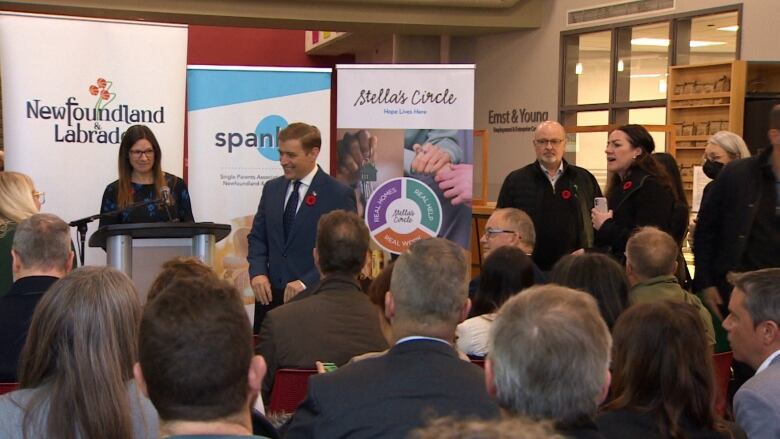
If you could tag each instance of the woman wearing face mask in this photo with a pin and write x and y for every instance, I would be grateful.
(722, 148)
(639, 191)
(144, 193)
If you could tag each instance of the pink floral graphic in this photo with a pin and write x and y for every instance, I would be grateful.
(102, 90)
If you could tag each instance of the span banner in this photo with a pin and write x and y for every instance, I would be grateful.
(405, 144)
(71, 87)
(234, 117)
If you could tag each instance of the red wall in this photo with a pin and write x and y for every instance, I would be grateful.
(238, 46)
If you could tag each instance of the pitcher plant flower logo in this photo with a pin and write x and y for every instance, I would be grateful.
(102, 91)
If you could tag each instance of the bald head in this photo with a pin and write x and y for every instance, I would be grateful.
(550, 144)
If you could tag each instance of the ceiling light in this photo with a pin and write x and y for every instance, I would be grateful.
(729, 28)
(578, 68)
(660, 42)
(620, 65)
(695, 43)
(662, 86)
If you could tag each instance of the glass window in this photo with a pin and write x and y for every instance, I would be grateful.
(586, 70)
(651, 116)
(589, 147)
(709, 38)
(642, 62)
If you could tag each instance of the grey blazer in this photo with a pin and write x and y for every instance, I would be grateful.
(757, 403)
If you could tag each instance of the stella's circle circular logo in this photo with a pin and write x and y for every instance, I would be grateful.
(402, 211)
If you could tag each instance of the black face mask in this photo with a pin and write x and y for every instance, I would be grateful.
(712, 169)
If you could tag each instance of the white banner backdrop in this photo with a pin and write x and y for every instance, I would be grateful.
(405, 144)
(234, 117)
(71, 87)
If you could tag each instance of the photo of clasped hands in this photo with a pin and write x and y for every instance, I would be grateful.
(454, 180)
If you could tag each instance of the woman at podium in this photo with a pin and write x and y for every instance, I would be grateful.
(144, 193)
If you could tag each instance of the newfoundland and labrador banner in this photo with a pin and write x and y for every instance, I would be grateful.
(234, 117)
(405, 144)
(71, 87)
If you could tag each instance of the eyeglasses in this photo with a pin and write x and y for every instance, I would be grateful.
(543, 142)
(137, 154)
(40, 196)
(493, 231)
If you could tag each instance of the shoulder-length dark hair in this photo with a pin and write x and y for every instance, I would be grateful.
(662, 365)
(81, 346)
(639, 137)
(599, 275)
(132, 135)
(669, 164)
(506, 271)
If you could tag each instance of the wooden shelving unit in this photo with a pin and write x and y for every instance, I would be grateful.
(703, 99)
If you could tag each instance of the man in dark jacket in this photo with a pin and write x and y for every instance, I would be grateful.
(41, 255)
(558, 197)
(738, 226)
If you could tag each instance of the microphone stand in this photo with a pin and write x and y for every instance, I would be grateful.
(82, 224)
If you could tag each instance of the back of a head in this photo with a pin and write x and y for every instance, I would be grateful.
(42, 242)
(16, 198)
(505, 272)
(522, 223)
(178, 269)
(600, 276)
(195, 348)
(342, 243)
(84, 326)
(662, 363)
(550, 353)
(651, 252)
(429, 283)
(380, 286)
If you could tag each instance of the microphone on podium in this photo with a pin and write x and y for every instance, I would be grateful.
(165, 196)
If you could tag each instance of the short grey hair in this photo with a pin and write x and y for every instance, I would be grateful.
(762, 293)
(521, 222)
(42, 241)
(550, 351)
(652, 252)
(429, 282)
(734, 146)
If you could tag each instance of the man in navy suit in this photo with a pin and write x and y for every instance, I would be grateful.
(281, 262)
(753, 325)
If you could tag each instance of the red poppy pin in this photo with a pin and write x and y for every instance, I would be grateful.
(566, 194)
(627, 185)
(311, 199)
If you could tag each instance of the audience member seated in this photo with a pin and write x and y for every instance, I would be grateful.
(18, 200)
(549, 358)
(651, 261)
(599, 275)
(421, 376)
(663, 378)
(508, 227)
(179, 269)
(376, 294)
(337, 321)
(195, 360)
(505, 272)
(41, 255)
(76, 368)
(753, 325)
(509, 427)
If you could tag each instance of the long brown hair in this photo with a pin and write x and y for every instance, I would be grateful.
(132, 135)
(81, 345)
(662, 365)
(16, 199)
(639, 137)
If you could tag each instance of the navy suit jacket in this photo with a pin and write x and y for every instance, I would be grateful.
(392, 394)
(281, 261)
